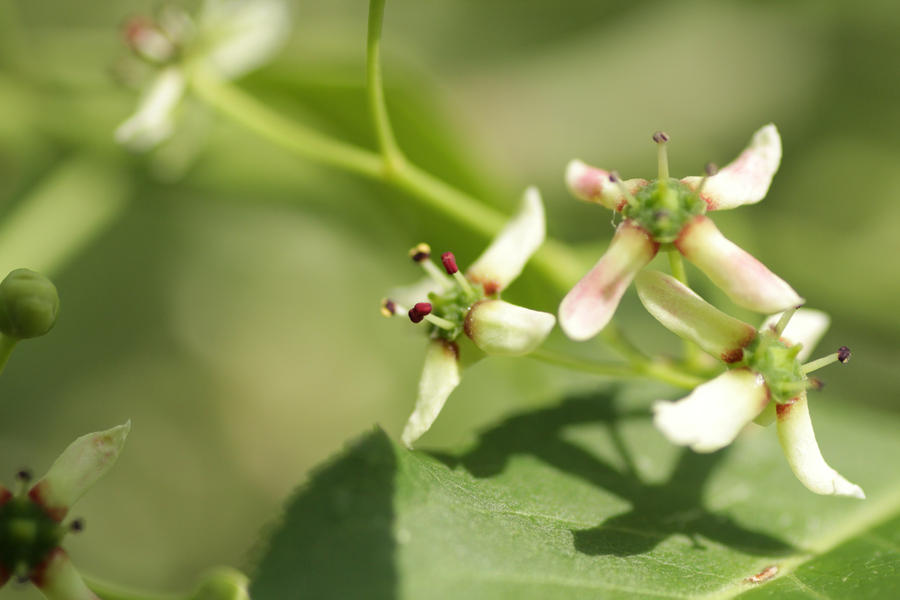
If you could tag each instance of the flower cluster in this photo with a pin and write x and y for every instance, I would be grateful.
(764, 377)
(461, 308)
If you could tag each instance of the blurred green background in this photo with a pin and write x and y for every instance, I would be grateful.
(228, 300)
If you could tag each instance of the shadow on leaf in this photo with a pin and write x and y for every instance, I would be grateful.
(657, 510)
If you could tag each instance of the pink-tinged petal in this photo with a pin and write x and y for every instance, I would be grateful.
(505, 258)
(715, 412)
(77, 468)
(689, 316)
(589, 306)
(58, 579)
(807, 326)
(798, 440)
(593, 185)
(747, 178)
(746, 280)
(152, 122)
(440, 376)
(503, 329)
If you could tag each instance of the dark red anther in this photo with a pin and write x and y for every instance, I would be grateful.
(419, 311)
(816, 383)
(843, 354)
(77, 526)
(449, 262)
(23, 475)
(711, 169)
(614, 177)
(660, 137)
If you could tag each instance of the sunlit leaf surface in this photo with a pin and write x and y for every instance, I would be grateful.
(584, 500)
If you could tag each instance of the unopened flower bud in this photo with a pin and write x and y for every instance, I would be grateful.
(29, 304)
(222, 584)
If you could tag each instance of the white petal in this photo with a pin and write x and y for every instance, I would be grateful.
(714, 413)
(504, 329)
(689, 316)
(244, 34)
(440, 376)
(593, 185)
(505, 258)
(746, 280)
(806, 327)
(590, 305)
(153, 120)
(58, 579)
(747, 178)
(77, 468)
(798, 440)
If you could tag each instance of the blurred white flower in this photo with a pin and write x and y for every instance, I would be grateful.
(228, 39)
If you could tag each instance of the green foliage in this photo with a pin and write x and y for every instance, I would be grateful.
(584, 500)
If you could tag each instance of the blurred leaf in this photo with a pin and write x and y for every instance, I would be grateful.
(585, 498)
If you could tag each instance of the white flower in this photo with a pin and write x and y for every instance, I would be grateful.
(31, 521)
(765, 374)
(228, 39)
(470, 305)
(667, 211)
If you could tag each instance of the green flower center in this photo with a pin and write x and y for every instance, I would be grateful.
(777, 363)
(27, 534)
(664, 209)
(452, 305)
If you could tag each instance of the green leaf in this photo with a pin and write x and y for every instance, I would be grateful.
(583, 500)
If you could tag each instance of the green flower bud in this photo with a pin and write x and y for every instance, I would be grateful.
(29, 304)
(223, 583)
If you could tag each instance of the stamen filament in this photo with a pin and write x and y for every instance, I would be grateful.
(841, 356)
(435, 273)
(464, 284)
(440, 322)
(662, 158)
(784, 320)
(710, 170)
(614, 177)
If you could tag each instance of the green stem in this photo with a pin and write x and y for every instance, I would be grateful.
(111, 591)
(282, 131)
(554, 261)
(377, 105)
(7, 344)
(558, 266)
(648, 369)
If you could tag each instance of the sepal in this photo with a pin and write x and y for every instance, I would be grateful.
(591, 184)
(58, 579)
(684, 313)
(743, 278)
(504, 329)
(807, 326)
(747, 178)
(798, 440)
(590, 305)
(505, 258)
(440, 376)
(711, 416)
(80, 465)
